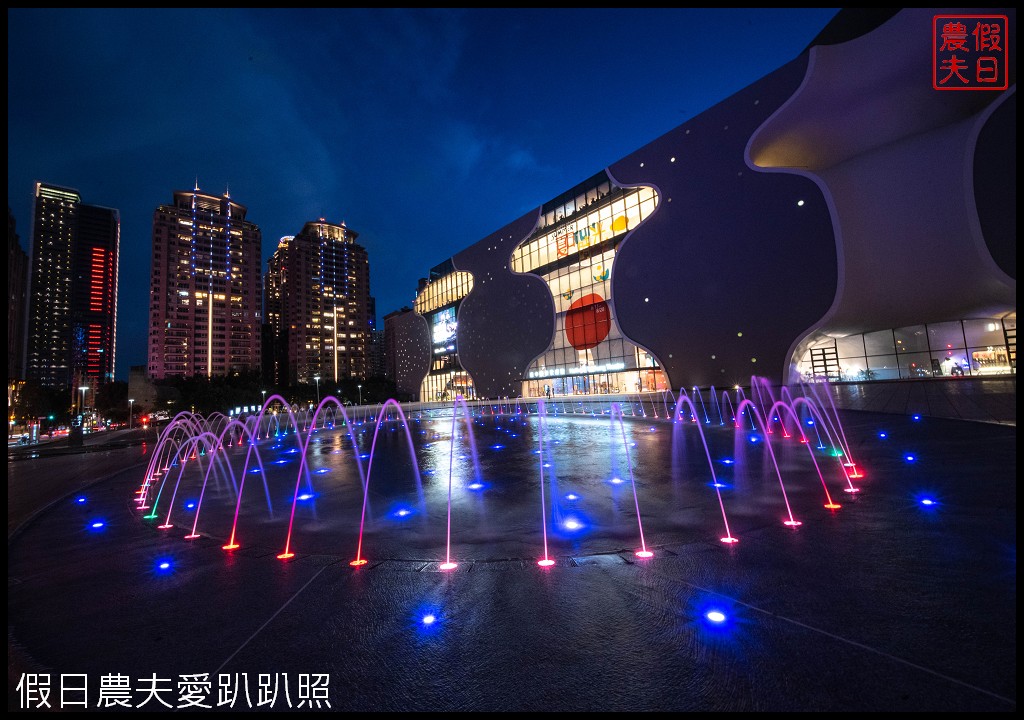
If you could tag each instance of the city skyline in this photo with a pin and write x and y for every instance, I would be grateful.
(425, 130)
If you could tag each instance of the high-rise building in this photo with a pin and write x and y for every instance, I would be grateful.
(204, 310)
(17, 305)
(317, 299)
(378, 361)
(275, 343)
(73, 292)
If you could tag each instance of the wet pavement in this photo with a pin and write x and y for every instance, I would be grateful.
(883, 604)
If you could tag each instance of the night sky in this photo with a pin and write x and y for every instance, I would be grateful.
(423, 130)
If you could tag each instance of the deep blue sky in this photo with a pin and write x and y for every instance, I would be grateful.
(424, 130)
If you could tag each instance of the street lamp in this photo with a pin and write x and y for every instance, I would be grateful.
(81, 406)
(131, 403)
(360, 394)
(264, 398)
(317, 378)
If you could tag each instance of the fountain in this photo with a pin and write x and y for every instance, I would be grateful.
(436, 500)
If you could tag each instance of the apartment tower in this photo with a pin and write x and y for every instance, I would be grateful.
(73, 292)
(205, 313)
(318, 305)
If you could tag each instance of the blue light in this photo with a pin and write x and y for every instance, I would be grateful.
(715, 616)
(616, 480)
(572, 524)
(164, 565)
(80, 500)
(254, 471)
(909, 458)
(306, 496)
(497, 447)
(429, 619)
(280, 462)
(754, 438)
(321, 471)
(915, 417)
(883, 435)
(927, 501)
(97, 525)
(190, 506)
(476, 486)
(572, 496)
(727, 461)
(810, 422)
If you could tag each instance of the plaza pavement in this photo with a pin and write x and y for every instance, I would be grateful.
(886, 605)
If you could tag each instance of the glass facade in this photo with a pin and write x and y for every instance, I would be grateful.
(573, 250)
(959, 348)
(438, 301)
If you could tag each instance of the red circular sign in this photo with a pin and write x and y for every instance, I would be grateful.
(587, 322)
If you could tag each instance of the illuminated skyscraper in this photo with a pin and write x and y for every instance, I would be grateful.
(73, 291)
(275, 349)
(17, 296)
(205, 297)
(318, 304)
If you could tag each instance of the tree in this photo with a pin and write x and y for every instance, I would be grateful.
(33, 401)
(112, 400)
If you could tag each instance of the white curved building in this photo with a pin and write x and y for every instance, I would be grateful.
(841, 218)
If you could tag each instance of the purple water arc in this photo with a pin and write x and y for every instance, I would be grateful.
(830, 504)
(302, 467)
(546, 561)
(617, 411)
(755, 415)
(683, 397)
(369, 471)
